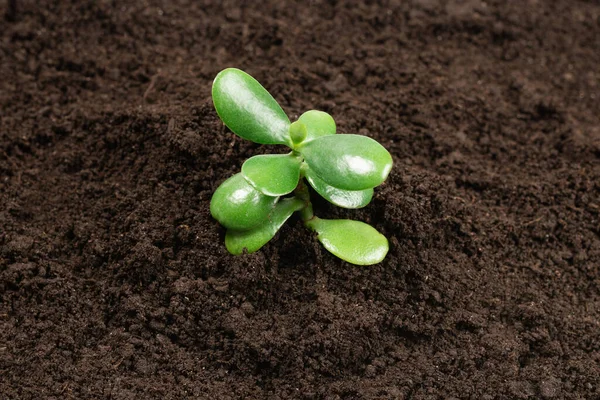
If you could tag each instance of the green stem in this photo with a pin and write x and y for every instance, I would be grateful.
(302, 194)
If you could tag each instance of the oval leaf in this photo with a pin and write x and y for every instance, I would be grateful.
(272, 174)
(350, 162)
(248, 109)
(237, 205)
(352, 241)
(339, 197)
(318, 123)
(254, 239)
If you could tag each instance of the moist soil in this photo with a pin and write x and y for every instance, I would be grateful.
(114, 279)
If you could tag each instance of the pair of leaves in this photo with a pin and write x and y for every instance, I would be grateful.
(250, 111)
(252, 219)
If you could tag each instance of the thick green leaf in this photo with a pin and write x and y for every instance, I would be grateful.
(254, 239)
(298, 132)
(237, 205)
(318, 123)
(352, 241)
(351, 162)
(272, 174)
(248, 109)
(339, 197)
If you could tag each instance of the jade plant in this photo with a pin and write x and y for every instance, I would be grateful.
(342, 168)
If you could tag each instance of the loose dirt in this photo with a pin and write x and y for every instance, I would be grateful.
(114, 279)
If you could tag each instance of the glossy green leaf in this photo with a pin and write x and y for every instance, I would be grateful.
(272, 174)
(248, 109)
(237, 205)
(318, 123)
(254, 239)
(352, 241)
(350, 162)
(339, 197)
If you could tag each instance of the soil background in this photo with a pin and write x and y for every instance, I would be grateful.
(114, 279)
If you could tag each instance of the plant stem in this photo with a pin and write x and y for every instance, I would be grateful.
(302, 194)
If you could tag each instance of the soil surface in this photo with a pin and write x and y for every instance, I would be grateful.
(114, 279)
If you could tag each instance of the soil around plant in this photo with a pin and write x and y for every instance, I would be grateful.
(114, 279)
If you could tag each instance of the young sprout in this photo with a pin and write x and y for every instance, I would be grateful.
(342, 168)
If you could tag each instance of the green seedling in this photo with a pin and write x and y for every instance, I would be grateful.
(343, 168)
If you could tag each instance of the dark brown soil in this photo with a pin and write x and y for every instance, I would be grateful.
(114, 279)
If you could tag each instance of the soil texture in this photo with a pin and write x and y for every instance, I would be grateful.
(114, 279)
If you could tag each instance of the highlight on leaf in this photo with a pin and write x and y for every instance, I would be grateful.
(248, 109)
(350, 162)
(237, 205)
